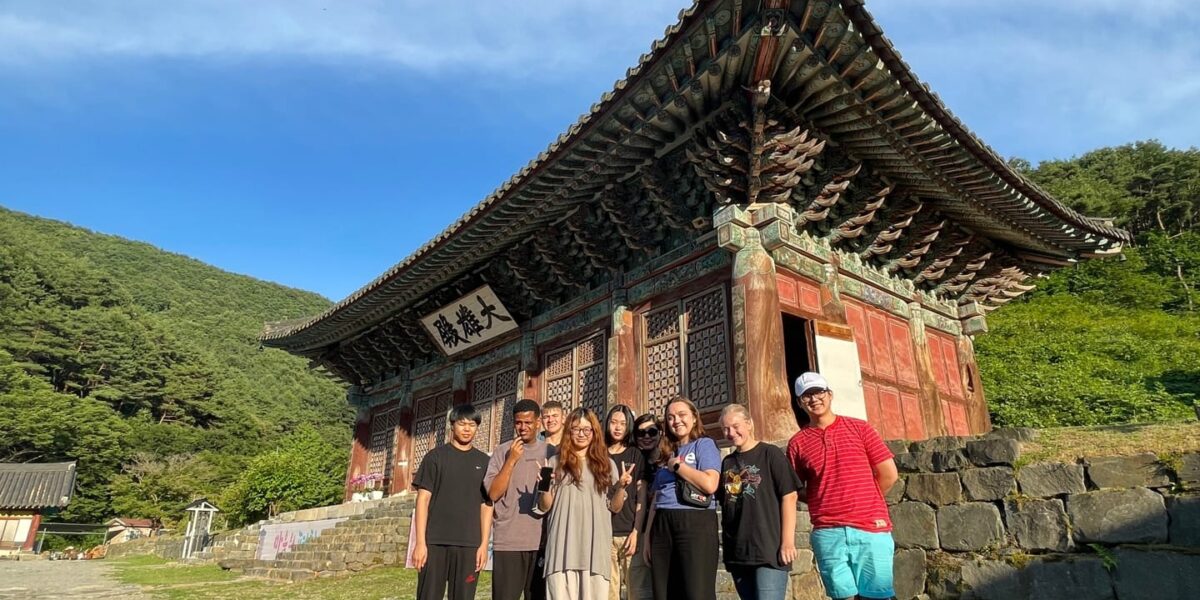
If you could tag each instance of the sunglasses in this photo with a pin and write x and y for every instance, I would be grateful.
(645, 433)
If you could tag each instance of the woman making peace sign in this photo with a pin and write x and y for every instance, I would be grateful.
(585, 488)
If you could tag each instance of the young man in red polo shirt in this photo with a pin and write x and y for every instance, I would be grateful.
(846, 470)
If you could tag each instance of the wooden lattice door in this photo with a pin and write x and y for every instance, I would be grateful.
(382, 446)
(686, 348)
(577, 374)
(429, 427)
(494, 395)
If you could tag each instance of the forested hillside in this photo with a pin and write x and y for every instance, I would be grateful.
(144, 365)
(1108, 341)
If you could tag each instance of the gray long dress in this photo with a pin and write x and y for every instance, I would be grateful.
(579, 539)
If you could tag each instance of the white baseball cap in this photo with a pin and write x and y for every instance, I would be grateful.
(810, 381)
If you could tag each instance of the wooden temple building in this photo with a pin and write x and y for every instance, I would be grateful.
(769, 190)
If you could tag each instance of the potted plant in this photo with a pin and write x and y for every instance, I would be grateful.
(374, 481)
(366, 487)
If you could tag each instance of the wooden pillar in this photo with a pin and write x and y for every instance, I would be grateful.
(402, 466)
(623, 361)
(929, 395)
(974, 322)
(33, 527)
(760, 368)
(358, 449)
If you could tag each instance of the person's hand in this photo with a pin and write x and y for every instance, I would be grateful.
(515, 451)
(626, 474)
(420, 555)
(674, 460)
(787, 552)
(481, 557)
(630, 547)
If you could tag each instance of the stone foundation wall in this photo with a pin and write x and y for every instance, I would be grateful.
(973, 520)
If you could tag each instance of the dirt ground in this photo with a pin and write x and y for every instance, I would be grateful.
(63, 579)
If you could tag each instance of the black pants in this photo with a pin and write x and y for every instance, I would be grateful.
(683, 554)
(454, 565)
(516, 574)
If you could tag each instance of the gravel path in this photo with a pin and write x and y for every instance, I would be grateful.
(63, 579)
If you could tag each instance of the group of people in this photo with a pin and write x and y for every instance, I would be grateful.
(590, 505)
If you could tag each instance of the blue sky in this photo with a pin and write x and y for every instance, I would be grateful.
(316, 143)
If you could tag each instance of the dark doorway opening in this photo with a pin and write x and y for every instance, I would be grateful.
(799, 356)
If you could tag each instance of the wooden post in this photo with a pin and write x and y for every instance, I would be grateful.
(624, 362)
(358, 449)
(760, 368)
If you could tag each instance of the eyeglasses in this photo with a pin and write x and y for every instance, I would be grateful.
(581, 431)
(646, 433)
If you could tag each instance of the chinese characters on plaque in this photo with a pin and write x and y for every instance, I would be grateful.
(469, 321)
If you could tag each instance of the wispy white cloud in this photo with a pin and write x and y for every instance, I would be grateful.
(424, 35)
(1053, 79)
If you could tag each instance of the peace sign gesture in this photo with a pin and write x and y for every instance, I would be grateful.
(626, 474)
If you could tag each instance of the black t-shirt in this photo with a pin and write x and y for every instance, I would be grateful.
(455, 478)
(752, 483)
(622, 522)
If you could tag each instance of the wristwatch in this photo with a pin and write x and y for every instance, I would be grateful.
(675, 467)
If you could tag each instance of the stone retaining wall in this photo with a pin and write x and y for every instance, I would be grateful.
(972, 520)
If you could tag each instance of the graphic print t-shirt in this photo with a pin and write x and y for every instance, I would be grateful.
(752, 484)
(455, 478)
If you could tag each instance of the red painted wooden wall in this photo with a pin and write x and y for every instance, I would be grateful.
(891, 386)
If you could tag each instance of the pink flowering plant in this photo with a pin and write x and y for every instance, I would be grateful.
(366, 481)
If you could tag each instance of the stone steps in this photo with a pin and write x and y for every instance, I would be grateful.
(374, 538)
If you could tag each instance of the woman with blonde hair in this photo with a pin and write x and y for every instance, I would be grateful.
(682, 542)
(582, 491)
(758, 511)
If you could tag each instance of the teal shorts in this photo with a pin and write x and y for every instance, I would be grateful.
(854, 562)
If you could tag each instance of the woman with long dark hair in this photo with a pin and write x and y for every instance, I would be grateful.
(627, 523)
(682, 544)
(647, 431)
(585, 488)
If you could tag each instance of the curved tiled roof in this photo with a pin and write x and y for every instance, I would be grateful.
(32, 486)
(912, 137)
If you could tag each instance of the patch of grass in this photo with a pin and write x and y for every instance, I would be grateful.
(154, 571)
(1107, 558)
(1069, 444)
(384, 583)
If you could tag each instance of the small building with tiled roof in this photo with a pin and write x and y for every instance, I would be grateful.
(27, 491)
(124, 529)
(769, 190)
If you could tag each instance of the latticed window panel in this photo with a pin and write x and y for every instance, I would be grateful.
(483, 435)
(706, 308)
(559, 363)
(383, 443)
(662, 374)
(662, 323)
(708, 366)
(687, 350)
(423, 441)
(576, 375)
(506, 399)
(493, 396)
(562, 389)
(590, 351)
(443, 401)
(593, 388)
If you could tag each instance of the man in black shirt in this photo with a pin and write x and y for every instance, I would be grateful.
(454, 514)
